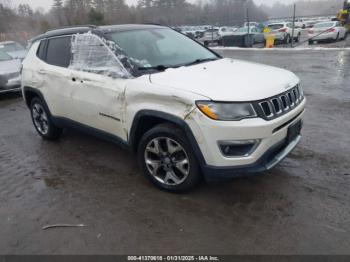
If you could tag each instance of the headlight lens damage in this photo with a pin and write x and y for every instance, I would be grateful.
(226, 111)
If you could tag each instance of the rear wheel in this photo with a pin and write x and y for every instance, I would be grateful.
(337, 38)
(167, 159)
(42, 120)
(287, 39)
(311, 42)
(345, 36)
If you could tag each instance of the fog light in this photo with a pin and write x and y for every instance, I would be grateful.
(242, 148)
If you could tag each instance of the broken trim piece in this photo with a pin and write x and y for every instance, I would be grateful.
(111, 117)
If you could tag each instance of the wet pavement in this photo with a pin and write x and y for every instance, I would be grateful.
(301, 207)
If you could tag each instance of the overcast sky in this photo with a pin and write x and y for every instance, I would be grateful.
(47, 3)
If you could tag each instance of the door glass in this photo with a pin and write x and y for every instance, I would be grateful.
(90, 54)
(59, 51)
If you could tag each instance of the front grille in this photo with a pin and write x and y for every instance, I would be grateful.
(279, 105)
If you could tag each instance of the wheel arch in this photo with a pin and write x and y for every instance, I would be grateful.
(145, 120)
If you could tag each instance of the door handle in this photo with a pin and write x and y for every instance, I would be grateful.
(42, 71)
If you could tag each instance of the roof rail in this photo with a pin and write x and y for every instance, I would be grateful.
(73, 26)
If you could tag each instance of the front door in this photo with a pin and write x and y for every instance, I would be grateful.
(98, 84)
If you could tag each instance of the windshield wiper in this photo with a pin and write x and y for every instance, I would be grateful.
(158, 68)
(202, 60)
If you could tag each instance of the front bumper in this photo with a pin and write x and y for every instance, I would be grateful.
(268, 161)
(271, 150)
(10, 85)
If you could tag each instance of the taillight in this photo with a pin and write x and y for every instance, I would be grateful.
(282, 30)
(331, 30)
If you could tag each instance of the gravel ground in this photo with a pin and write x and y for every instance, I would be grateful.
(301, 207)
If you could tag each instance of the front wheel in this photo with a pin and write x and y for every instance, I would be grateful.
(167, 159)
(42, 120)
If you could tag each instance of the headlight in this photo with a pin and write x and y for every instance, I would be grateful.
(226, 111)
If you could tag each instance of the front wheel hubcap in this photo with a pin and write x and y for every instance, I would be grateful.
(167, 161)
(40, 119)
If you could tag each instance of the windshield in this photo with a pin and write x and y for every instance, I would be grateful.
(324, 25)
(160, 46)
(11, 47)
(4, 56)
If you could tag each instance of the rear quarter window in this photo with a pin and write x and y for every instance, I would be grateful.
(41, 50)
(59, 51)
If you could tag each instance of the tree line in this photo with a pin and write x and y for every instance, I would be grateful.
(304, 8)
(101, 12)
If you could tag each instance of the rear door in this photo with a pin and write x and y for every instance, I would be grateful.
(54, 74)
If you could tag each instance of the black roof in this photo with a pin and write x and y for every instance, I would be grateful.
(94, 29)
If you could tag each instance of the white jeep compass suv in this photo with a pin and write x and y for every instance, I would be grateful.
(186, 111)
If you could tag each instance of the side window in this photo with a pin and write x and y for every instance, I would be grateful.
(41, 50)
(59, 51)
(91, 54)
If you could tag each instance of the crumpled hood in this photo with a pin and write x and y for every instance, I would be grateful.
(228, 80)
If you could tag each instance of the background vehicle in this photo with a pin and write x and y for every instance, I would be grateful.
(189, 31)
(253, 24)
(257, 34)
(310, 23)
(10, 77)
(300, 23)
(327, 31)
(211, 36)
(283, 32)
(14, 49)
(226, 30)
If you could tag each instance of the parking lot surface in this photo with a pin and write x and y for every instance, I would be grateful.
(301, 207)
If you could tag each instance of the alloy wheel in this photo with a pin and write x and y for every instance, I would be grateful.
(167, 161)
(40, 119)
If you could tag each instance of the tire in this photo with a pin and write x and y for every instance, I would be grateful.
(42, 120)
(297, 40)
(337, 38)
(311, 42)
(345, 36)
(206, 43)
(287, 39)
(172, 165)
